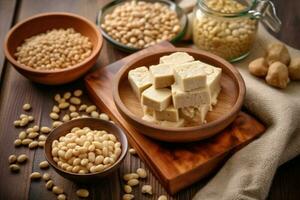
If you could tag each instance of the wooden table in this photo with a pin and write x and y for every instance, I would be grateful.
(16, 90)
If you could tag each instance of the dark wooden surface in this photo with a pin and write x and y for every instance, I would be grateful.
(7, 9)
(289, 13)
(16, 90)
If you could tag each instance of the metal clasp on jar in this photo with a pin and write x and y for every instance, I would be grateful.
(265, 11)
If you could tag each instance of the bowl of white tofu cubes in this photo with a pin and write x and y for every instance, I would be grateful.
(179, 94)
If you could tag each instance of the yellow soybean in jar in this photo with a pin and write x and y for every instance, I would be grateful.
(228, 28)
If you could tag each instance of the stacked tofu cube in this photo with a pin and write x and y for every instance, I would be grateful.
(176, 91)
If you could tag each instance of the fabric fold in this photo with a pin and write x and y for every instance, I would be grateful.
(248, 174)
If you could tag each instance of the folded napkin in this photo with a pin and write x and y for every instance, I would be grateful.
(249, 172)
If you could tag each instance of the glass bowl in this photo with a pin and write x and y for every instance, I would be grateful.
(108, 8)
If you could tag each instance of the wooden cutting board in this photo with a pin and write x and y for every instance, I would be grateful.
(176, 165)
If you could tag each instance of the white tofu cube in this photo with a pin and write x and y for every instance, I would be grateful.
(149, 118)
(176, 58)
(169, 114)
(139, 79)
(157, 99)
(196, 97)
(162, 75)
(179, 123)
(190, 76)
(195, 114)
(213, 82)
(147, 110)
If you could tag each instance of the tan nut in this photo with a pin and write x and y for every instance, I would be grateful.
(61, 197)
(12, 159)
(22, 158)
(278, 75)
(54, 116)
(57, 190)
(17, 142)
(46, 177)
(147, 189)
(26, 107)
(33, 145)
(49, 184)
(132, 151)
(82, 193)
(44, 165)
(133, 182)
(75, 100)
(45, 129)
(14, 168)
(127, 189)
(278, 52)
(258, 67)
(35, 176)
(55, 109)
(77, 93)
(128, 196)
(162, 197)
(141, 172)
(130, 176)
(294, 69)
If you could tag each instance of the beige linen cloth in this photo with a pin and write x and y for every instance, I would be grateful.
(249, 172)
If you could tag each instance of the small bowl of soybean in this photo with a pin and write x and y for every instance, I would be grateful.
(133, 25)
(86, 149)
(53, 48)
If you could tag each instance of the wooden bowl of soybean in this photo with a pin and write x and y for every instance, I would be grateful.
(93, 124)
(230, 99)
(42, 23)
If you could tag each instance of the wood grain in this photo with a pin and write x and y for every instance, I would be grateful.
(15, 90)
(7, 8)
(175, 165)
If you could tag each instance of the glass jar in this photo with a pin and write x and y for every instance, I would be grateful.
(228, 28)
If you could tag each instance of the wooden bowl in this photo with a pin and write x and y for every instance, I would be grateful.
(40, 24)
(230, 99)
(92, 123)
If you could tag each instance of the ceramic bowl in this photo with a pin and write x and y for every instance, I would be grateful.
(40, 24)
(96, 124)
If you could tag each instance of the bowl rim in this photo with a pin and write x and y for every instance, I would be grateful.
(118, 161)
(13, 61)
(171, 130)
(126, 48)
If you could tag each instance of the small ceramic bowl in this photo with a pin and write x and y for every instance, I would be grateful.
(112, 5)
(92, 123)
(40, 24)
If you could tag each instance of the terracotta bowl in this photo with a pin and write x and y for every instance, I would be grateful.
(40, 24)
(230, 99)
(93, 124)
